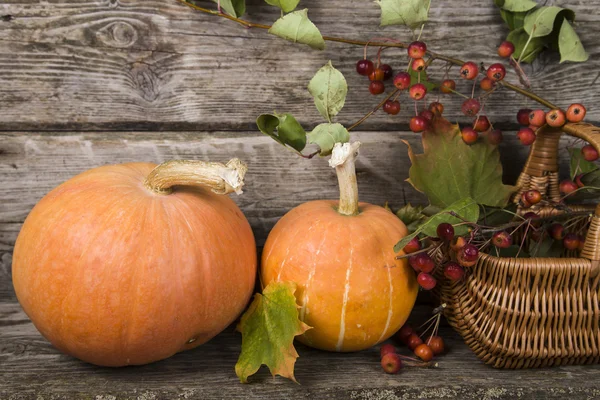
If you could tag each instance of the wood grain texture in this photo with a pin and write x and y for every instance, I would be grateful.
(33, 164)
(156, 64)
(30, 368)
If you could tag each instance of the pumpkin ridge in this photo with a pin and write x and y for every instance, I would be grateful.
(346, 297)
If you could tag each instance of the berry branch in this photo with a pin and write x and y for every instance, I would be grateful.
(395, 44)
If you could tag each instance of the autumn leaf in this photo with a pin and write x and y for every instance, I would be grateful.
(450, 170)
(268, 329)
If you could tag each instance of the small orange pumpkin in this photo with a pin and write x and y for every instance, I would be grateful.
(117, 268)
(352, 290)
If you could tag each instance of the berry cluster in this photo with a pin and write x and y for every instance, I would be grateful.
(488, 79)
(425, 350)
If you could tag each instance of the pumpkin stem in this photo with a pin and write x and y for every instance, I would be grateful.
(343, 159)
(220, 178)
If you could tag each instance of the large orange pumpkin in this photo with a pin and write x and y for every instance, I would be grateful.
(116, 268)
(352, 289)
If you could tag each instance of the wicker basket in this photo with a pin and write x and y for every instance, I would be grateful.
(534, 312)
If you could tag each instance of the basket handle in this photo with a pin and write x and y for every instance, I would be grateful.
(590, 134)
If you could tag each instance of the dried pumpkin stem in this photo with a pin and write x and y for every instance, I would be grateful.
(220, 178)
(343, 160)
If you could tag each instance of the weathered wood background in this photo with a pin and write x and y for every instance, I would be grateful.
(86, 83)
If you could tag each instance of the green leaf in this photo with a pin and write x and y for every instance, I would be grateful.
(517, 5)
(268, 329)
(235, 8)
(409, 214)
(412, 13)
(514, 20)
(510, 252)
(297, 28)
(578, 164)
(547, 247)
(329, 89)
(327, 135)
(541, 21)
(284, 129)
(466, 208)
(569, 45)
(519, 38)
(498, 216)
(286, 5)
(414, 78)
(449, 170)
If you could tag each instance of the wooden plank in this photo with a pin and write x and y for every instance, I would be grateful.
(32, 164)
(155, 64)
(30, 368)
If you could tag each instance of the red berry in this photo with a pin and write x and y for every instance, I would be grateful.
(428, 115)
(424, 352)
(448, 86)
(391, 363)
(445, 231)
(418, 124)
(453, 271)
(496, 72)
(469, 135)
(426, 281)
(571, 241)
(377, 75)
(578, 181)
(469, 70)
(482, 123)
(526, 136)
(417, 91)
(502, 239)
(413, 341)
(523, 116)
(364, 67)
(469, 252)
(557, 231)
(533, 218)
(436, 107)
(391, 107)
(495, 137)
(402, 80)
(386, 349)
(376, 87)
(436, 344)
(576, 112)
(533, 196)
(471, 107)
(556, 118)
(387, 71)
(418, 64)
(589, 153)
(404, 333)
(581, 243)
(421, 262)
(417, 50)
(524, 203)
(487, 84)
(458, 243)
(412, 246)
(537, 117)
(567, 186)
(506, 49)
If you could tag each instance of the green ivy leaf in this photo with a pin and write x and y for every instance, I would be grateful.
(329, 89)
(569, 45)
(297, 28)
(409, 214)
(284, 129)
(514, 20)
(578, 164)
(543, 20)
(414, 78)
(466, 208)
(286, 5)
(412, 13)
(449, 170)
(235, 8)
(268, 329)
(519, 38)
(516, 5)
(327, 135)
